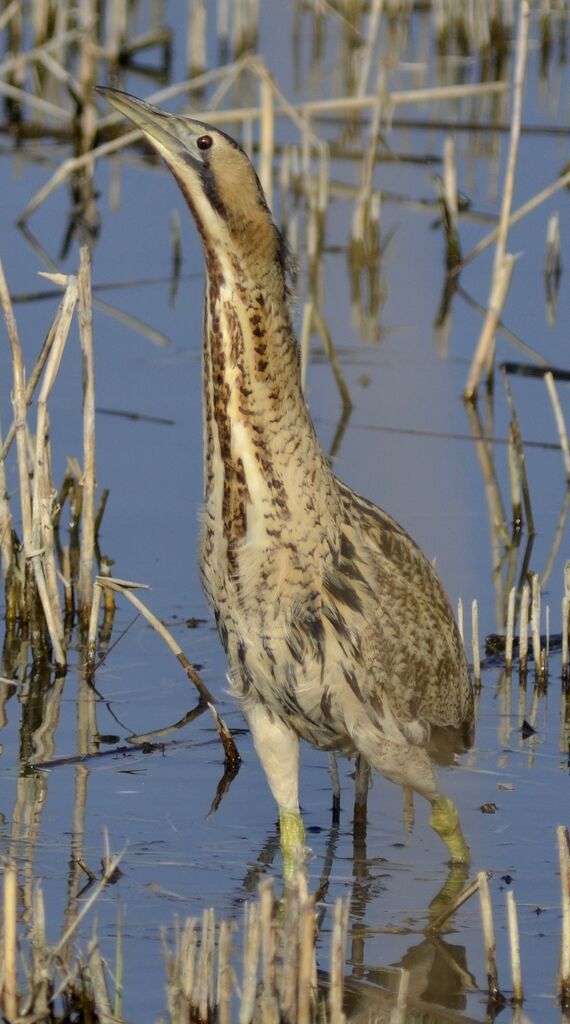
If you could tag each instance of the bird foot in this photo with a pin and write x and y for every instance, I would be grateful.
(445, 821)
(293, 847)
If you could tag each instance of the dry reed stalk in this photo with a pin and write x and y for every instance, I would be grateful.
(196, 38)
(560, 421)
(514, 941)
(126, 587)
(535, 617)
(338, 952)
(499, 291)
(520, 213)
(460, 624)
(225, 974)
(430, 94)
(20, 60)
(251, 949)
(510, 631)
(269, 1012)
(450, 179)
(43, 557)
(39, 974)
(565, 615)
(564, 968)
(516, 117)
(66, 579)
(305, 994)
(37, 371)
(99, 982)
(202, 997)
(515, 480)
(185, 960)
(475, 642)
(305, 340)
(266, 137)
(93, 621)
(20, 419)
(367, 51)
(7, 546)
(523, 630)
(290, 955)
(27, 99)
(489, 938)
(10, 939)
(117, 29)
(8, 13)
(87, 542)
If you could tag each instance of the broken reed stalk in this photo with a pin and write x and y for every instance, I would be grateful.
(564, 969)
(87, 542)
(514, 942)
(225, 974)
(338, 946)
(510, 632)
(43, 557)
(278, 980)
(126, 587)
(460, 624)
(306, 991)
(489, 938)
(475, 642)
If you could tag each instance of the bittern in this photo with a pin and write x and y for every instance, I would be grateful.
(335, 625)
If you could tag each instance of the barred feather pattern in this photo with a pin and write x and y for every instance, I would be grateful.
(331, 616)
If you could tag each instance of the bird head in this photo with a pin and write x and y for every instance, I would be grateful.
(216, 177)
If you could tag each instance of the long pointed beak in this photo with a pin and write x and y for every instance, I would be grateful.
(168, 132)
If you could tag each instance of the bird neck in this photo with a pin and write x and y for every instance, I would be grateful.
(262, 458)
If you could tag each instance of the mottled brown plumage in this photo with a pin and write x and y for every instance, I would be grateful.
(336, 627)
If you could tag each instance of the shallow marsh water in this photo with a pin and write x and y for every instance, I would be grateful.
(408, 446)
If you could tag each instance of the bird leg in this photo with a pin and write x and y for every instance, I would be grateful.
(277, 747)
(445, 821)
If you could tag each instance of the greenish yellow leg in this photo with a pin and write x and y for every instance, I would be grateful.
(292, 841)
(445, 821)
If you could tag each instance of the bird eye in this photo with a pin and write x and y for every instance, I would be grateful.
(204, 142)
